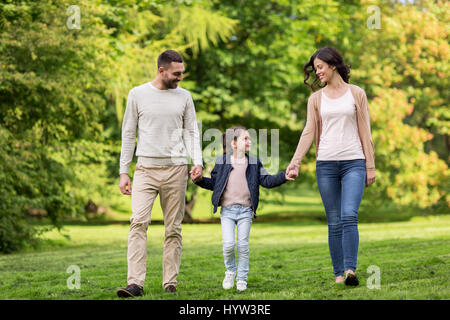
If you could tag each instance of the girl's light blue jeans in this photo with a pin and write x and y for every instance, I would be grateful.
(240, 217)
(341, 186)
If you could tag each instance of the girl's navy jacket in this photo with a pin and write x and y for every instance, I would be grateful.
(256, 175)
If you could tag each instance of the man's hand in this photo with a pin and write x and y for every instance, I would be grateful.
(370, 177)
(292, 172)
(125, 183)
(196, 173)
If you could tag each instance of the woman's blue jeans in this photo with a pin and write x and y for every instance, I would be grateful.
(240, 217)
(341, 186)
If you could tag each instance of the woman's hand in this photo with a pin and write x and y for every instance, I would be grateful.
(370, 177)
(292, 172)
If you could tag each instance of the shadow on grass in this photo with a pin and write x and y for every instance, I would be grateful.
(305, 218)
(308, 213)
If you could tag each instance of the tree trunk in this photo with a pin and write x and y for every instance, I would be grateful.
(188, 209)
(447, 140)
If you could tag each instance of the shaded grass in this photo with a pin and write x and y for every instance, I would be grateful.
(288, 260)
(290, 202)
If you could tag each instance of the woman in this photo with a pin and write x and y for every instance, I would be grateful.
(338, 120)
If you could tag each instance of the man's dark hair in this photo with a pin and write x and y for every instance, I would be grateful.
(167, 57)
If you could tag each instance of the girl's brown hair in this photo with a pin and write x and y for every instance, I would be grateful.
(231, 135)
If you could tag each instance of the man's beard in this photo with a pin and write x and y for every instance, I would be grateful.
(170, 84)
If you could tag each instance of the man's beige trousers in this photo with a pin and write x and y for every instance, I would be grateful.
(170, 183)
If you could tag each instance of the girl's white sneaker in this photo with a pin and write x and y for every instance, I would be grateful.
(241, 285)
(228, 282)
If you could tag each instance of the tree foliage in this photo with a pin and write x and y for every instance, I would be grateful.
(63, 91)
(62, 96)
(51, 94)
(404, 68)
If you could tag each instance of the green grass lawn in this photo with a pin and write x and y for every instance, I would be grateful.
(298, 202)
(288, 260)
(289, 198)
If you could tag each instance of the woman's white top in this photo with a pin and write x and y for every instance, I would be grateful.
(339, 139)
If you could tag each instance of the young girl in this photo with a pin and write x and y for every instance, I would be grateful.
(235, 182)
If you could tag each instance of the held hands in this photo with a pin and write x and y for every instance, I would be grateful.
(125, 182)
(196, 173)
(292, 172)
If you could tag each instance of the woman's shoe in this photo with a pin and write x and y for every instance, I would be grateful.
(351, 280)
(340, 279)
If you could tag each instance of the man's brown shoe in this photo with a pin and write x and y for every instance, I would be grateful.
(131, 291)
(171, 288)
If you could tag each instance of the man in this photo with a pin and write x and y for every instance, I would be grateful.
(163, 114)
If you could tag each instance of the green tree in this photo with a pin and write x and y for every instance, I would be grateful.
(51, 94)
(404, 68)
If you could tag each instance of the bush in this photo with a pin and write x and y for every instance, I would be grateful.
(32, 183)
(52, 85)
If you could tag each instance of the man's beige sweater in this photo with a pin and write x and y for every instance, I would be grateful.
(162, 119)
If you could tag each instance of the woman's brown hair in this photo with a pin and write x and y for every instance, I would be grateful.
(333, 58)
